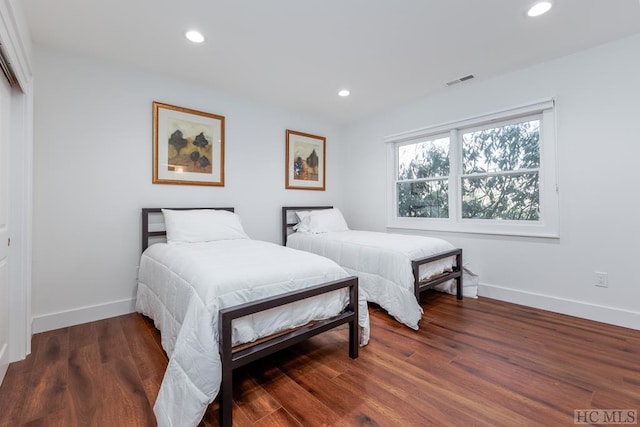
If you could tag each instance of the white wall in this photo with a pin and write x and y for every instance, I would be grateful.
(92, 166)
(598, 108)
(92, 162)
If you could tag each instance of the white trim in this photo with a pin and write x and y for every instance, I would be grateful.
(77, 316)
(585, 310)
(20, 214)
(4, 364)
(548, 224)
(16, 44)
(517, 111)
(16, 40)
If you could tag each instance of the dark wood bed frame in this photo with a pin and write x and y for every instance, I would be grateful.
(235, 357)
(418, 286)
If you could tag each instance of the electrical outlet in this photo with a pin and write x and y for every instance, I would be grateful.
(602, 279)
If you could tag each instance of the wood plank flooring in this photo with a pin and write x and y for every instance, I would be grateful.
(473, 362)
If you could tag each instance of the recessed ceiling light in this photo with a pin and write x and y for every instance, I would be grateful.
(539, 8)
(344, 92)
(194, 36)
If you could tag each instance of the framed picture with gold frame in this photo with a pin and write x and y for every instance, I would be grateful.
(306, 161)
(188, 146)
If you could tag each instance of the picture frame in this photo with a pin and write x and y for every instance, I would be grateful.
(188, 146)
(306, 161)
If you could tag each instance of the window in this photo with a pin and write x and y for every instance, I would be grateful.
(492, 174)
(423, 179)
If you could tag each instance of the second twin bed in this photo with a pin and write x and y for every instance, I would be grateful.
(393, 269)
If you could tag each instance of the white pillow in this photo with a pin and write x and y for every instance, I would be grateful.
(302, 226)
(323, 221)
(202, 225)
(302, 215)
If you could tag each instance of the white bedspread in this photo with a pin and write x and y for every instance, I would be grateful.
(382, 262)
(182, 288)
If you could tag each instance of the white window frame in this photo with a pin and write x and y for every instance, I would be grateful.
(546, 226)
(431, 178)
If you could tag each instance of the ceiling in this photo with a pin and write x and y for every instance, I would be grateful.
(297, 54)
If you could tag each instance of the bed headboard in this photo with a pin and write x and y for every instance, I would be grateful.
(148, 234)
(289, 219)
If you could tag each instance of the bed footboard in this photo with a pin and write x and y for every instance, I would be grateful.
(235, 358)
(455, 274)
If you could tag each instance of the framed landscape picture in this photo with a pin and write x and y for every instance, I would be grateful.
(306, 155)
(188, 146)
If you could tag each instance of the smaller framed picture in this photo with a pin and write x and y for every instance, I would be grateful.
(188, 146)
(306, 165)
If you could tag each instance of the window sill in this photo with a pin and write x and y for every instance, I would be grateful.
(475, 227)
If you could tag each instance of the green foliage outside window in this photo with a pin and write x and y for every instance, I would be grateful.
(499, 174)
(426, 199)
(424, 161)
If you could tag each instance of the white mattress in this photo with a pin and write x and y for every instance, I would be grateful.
(182, 288)
(382, 262)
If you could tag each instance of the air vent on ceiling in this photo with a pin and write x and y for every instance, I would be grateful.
(460, 80)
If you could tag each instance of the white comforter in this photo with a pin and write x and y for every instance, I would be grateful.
(182, 288)
(382, 262)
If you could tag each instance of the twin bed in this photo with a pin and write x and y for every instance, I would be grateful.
(222, 300)
(393, 269)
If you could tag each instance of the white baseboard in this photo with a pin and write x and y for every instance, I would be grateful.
(599, 313)
(63, 319)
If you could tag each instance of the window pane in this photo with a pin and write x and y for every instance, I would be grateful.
(510, 197)
(505, 148)
(423, 199)
(425, 159)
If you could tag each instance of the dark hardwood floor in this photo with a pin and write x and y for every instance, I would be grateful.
(473, 362)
